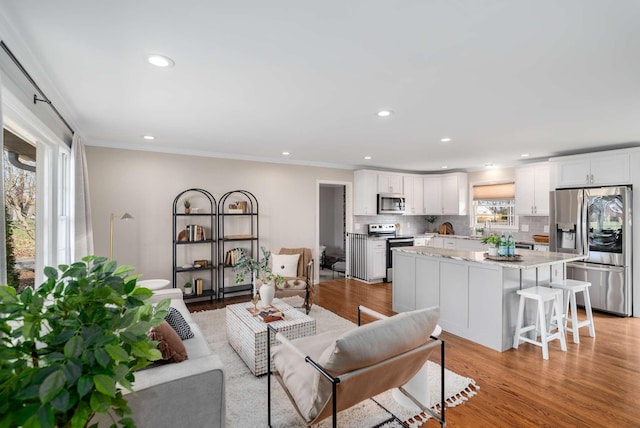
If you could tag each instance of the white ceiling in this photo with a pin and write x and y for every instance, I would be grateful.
(254, 78)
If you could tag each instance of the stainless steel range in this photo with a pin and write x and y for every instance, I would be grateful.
(388, 231)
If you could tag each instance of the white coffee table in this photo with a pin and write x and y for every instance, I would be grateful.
(247, 334)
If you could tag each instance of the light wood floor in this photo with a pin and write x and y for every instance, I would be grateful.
(593, 384)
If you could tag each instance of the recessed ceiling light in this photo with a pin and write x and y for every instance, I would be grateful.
(285, 153)
(384, 113)
(445, 139)
(367, 157)
(488, 165)
(160, 61)
(524, 155)
(444, 167)
(148, 137)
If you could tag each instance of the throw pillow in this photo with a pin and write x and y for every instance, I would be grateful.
(179, 324)
(169, 343)
(285, 264)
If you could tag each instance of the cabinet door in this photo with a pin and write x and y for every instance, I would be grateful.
(432, 186)
(419, 242)
(611, 169)
(377, 262)
(450, 243)
(413, 192)
(436, 242)
(525, 191)
(541, 189)
(427, 283)
(454, 194)
(365, 193)
(404, 285)
(390, 183)
(532, 190)
(454, 297)
(575, 172)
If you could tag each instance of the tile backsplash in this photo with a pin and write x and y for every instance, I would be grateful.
(417, 224)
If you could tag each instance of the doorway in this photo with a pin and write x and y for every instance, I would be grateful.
(333, 222)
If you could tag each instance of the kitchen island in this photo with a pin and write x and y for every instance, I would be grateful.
(477, 296)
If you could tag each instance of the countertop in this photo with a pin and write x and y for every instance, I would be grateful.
(530, 259)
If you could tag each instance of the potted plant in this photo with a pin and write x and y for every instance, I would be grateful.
(493, 241)
(431, 219)
(188, 289)
(70, 346)
(187, 206)
(260, 273)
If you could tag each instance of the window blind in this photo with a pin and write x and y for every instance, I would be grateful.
(494, 191)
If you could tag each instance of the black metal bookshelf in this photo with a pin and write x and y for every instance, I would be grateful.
(237, 228)
(189, 247)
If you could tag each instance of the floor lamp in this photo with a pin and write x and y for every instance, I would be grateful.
(125, 216)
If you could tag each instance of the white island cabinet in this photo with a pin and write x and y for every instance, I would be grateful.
(477, 297)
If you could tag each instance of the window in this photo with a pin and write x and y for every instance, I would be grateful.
(494, 206)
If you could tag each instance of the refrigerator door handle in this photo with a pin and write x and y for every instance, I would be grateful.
(591, 266)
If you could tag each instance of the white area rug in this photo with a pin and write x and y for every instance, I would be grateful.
(246, 395)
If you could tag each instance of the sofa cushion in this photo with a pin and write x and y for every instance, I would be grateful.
(177, 321)
(379, 340)
(285, 264)
(169, 343)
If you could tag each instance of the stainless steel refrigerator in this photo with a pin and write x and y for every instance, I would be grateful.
(596, 222)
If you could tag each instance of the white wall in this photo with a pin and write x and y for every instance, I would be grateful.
(145, 184)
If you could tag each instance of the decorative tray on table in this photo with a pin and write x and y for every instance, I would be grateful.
(514, 258)
(267, 314)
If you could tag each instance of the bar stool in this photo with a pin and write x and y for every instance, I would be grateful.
(541, 295)
(572, 287)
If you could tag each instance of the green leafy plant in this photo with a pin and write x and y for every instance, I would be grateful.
(68, 347)
(187, 203)
(260, 268)
(431, 218)
(492, 239)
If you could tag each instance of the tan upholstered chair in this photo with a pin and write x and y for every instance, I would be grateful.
(298, 279)
(330, 372)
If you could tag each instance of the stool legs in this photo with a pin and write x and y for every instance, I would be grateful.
(543, 330)
(587, 308)
(516, 339)
(558, 315)
(541, 325)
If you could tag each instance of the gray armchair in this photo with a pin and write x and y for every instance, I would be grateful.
(330, 372)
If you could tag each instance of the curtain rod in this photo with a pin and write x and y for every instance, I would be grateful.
(35, 85)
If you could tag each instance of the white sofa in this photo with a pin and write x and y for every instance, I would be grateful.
(186, 394)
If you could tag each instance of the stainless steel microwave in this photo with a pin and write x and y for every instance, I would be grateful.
(390, 203)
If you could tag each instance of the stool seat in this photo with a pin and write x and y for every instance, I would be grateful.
(572, 287)
(541, 295)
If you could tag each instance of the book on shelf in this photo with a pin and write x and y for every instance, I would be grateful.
(193, 232)
(233, 256)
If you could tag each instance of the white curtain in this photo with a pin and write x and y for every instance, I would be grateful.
(3, 245)
(82, 231)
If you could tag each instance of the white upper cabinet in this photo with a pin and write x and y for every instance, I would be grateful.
(413, 193)
(432, 201)
(390, 183)
(455, 191)
(532, 190)
(365, 189)
(445, 194)
(594, 169)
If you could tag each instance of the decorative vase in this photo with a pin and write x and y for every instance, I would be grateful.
(267, 291)
(493, 251)
(188, 290)
(187, 210)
